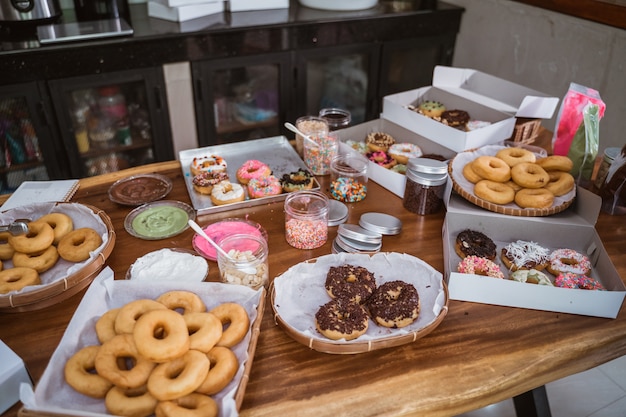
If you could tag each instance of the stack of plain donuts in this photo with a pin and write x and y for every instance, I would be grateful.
(165, 357)
(516, 175)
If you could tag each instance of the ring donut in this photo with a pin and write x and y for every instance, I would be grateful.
(180, 376)
(78, 244)
(556, 163)
(252, 169)
(6, 250)
(224, 366)
(130, 402)
(61, 225)
(79, 373)
(534, 198)
(105, 325)
(161, 335)
(192, 405)
(341, 319)
(129, 313)
(15, 279)
(111, 362)
(479, 266)
(560, 183)
(568, 260)
(514, 156)
(394, 304)
(187, 301)
(494, 192)
(39, 262)
(39, 237)
(470, 174)
(529, 175)
(205, 330)
(236, 317)
(491, 168)
(350, 282)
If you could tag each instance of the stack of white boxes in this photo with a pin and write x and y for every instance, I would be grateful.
(183, 10)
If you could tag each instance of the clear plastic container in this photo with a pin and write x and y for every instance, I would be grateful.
(306, 219)
(247, 261)
(348, 178)
(319, 152)
(336, 118)
(309, 125)
(425, 185)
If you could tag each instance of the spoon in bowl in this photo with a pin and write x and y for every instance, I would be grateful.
(299, 132)
(201, 232)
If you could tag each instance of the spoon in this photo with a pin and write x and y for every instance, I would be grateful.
(201, 232)
(299, 132)
(18, 227)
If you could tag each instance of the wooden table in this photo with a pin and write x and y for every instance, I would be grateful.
(480, 354)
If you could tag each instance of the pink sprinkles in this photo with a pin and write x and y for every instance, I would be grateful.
(479, 266)
(561, 260)
(306, 234)
(583, 282)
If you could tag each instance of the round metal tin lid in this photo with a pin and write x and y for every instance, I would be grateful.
(337, 212)
(355, 232)
(354, 246)
(382, 223)
(427, 166)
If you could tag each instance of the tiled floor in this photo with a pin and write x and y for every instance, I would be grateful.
(598, 392)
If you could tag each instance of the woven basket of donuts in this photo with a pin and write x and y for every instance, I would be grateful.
(299, 294)
(504, 196)
(526, 130)
(89, 240)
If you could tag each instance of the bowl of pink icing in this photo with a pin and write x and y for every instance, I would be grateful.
(219, 230)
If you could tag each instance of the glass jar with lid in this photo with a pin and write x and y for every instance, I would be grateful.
(336, 118)
(306, 219)
(425, 185)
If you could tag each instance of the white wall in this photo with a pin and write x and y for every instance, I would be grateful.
(546, 51)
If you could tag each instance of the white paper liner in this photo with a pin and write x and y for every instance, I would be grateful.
(82, 216)
(53, 394)
(299, 292)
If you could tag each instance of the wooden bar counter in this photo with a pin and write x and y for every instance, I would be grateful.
(479, 354)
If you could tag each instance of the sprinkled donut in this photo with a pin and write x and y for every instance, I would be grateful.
(479, 266)
(297, 180)
(203, 182)
(251, 169)
(431, 108)
(210, 163)
(568, 260)
(341, 319)
(524, 255)
(226, 192)
(455, 118)
(583, 282)
(265, 186)
(379, 141)
(394, 304)
(381, 158)
(350, 282)
(474, 243)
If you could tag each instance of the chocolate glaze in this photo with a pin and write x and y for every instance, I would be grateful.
(394, 301)
(341, 316)
(473, 243)
(349, 282)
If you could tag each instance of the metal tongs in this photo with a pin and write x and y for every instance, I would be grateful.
(18, 227)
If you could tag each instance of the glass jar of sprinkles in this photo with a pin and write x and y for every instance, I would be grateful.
(319, 151)
(306, 219)
(312, 126)
(425, 185)
(348, 178)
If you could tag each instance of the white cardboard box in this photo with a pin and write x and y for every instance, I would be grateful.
(391, 180)
(573, 228)
(12, 374)
(243, 5)
(158, 9)
(483, 96)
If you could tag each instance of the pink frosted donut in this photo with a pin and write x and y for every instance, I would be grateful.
(252, 169)
(568, 260)
(479, 266)
(265, 186)
(570, 280)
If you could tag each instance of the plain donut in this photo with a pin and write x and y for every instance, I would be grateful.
(39, 237)
(179, 377)
(534, 198)
(236, 317)
(161, 335)
(40, 262)
(136, 402)
(111, 362)
(78, 244)
(494, 192)
(188, 301)
(15, 279)
(529, 175)
(514, 156)
(205, 330)
(491, 168)
(224, 366)
(192, 405)
(61, 225)
(79, 373)
(127, 316)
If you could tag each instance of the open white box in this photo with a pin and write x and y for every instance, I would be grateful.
(391, 180)
(483, 96)
(12, 374)
(572, 228)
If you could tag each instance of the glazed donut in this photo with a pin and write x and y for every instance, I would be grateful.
(455, 118)
(473, 243)
(39, 237)
(161, 335)
(560, 183)
(226, 192)
(105, 325)
(381, 158)
(479, 266)
(297, 180)
(136, 402)
(77, 245)
(523, 254)
(203, 182)
(568, 260)
(379, 141)
(402, 152)
(470, 174)
(192, 405)
(204, 329)
(556, 163)
(534, 198)
(341, 319)
(394, 304)
(263, 187)
(15, 279)
(350, 282)
(80, 373)
(129, 313)
(39, 262)
(252, 169)
(224, 366)
(583, 282)
(211, 163)
(513, 156)
(179, 376)
(431, 108)
(236, 317)
(6, 250)
(111, 362)
(531, 276)
(61, 224)
(529, 175)
(186, 301)
(494, 192)
(491, 168)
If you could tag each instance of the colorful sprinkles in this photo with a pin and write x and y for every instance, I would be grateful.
(348, 189)
(306, 234)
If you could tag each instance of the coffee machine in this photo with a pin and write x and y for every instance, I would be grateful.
(88, 10)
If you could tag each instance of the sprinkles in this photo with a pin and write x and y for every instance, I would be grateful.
(348, 190)
(306, 234)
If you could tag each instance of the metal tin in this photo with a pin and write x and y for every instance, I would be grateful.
(354, 246)
(427, 166)
(337, 212)
(358, 233)
(382, 223)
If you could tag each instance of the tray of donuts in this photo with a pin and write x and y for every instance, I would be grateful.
(67, 244)
(189, 346)
(354, 303)
(513, 180)
(243, 174)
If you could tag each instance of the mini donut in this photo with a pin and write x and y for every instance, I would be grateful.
(236, 317)
(470, 174)
(494, 192)
(455, 118)
(210, 163)
(14, 279)
(534, 198)
(203, 182)
(250, 169)
(479, 266)
(77, 245)
(128, 314)
(224, 366)
(529, 175)
(119, 361)
(187, 301)
(80, 373)
(40, 262)
(491, 168)
(297, 180)
(531, 276)
(523, 254)
(204, 329)
(404, 151)
(179, 376)
(263, 187)
(226, 192)
(350, 282)
(192, 405)
(161, 336)
(560, 183)
(556, 163)
(379, 141)
(6, 250)
(39, 237)
(381, 158)
(568, 260)
(513, 156)
(61, 224)
(341, 319)
(394, 304)
(474, 243)
(583, 282)
(136, 402)
(431, 108)
(105, 325)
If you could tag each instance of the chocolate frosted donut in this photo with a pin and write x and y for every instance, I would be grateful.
(473, 243)
(455, 118)
(349, 282)
(394, 304)
(341, 319)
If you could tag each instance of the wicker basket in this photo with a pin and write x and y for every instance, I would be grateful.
(526, 130)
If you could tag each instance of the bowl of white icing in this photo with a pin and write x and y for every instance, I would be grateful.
(169, 264)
